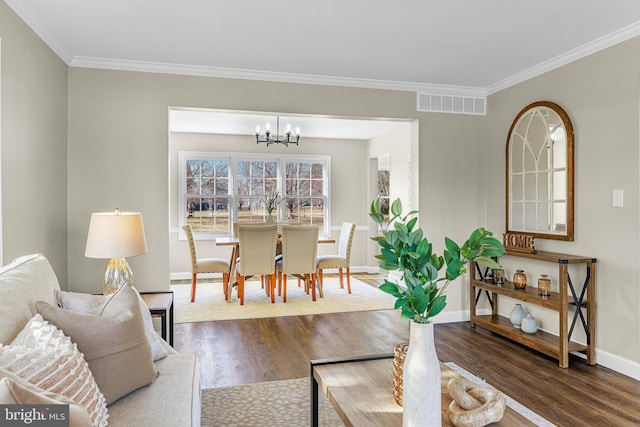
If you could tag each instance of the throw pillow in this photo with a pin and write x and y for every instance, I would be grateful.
(87, 303)
(114, 342)
(16, 391)
(43, 356)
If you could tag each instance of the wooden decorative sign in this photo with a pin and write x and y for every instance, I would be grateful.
(518, 242)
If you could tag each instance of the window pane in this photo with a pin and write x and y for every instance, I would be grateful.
(193, 168)
(317, 170)
(207, 168)
(305, 187)
(222, 186)
(305, 170)
(193, 186)
(316, 188)
(221, 168)
(271, 170)
(208, 186)
(291, 170)
(257, 169)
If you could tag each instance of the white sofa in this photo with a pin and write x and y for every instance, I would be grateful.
(173, 399)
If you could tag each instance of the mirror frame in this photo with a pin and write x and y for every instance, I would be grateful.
(568, 235)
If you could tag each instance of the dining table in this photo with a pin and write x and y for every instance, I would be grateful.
(234, 242)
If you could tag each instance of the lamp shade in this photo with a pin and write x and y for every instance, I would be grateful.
(115, 235)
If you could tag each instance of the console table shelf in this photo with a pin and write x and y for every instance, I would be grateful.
(582, 300)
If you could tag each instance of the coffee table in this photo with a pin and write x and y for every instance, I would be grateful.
(360, 390)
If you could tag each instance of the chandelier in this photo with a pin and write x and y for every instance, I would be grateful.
(265, 135)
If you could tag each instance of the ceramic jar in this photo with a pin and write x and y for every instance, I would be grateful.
(517, 314)
(544, 285)
(529, 324)
(520, 279)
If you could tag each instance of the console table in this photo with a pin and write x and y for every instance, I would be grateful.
(581, 299)
(360, 389)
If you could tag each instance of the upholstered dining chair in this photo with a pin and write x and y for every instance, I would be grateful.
(341, 259)
(205, 265)
(299, 252)
(257, 255)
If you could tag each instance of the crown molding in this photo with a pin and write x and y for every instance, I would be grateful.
(585, 50)
(235, 73)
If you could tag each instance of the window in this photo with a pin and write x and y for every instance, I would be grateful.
(218, 189)
(206, 196)
(305, 192)
(254, 179)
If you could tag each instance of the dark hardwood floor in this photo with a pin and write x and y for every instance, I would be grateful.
(249, 351)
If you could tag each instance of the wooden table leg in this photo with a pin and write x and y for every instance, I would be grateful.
(235, 250)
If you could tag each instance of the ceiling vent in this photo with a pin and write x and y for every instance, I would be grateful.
(456, 104)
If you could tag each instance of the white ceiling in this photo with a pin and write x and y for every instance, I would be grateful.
(409, 44)
(473, 47)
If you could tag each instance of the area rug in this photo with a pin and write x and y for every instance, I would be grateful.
(210, 303)
(286, 403)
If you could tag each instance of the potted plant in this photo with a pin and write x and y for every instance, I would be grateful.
(271, 200)
(422, 295)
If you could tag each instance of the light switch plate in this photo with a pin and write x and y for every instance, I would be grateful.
(617, 199)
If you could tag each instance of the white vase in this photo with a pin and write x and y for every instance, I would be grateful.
(529, 324)
(269, 220)
(421, 379)
(517, 314)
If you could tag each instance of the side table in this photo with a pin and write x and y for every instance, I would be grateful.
(160, 303)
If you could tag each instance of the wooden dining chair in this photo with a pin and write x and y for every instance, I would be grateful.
(299, 252)
(340, 260)
(205, 265)
(257, 255)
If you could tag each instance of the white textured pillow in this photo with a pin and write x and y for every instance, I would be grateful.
(114, 342)
(16, 391)
(88, 303)
(43, 356)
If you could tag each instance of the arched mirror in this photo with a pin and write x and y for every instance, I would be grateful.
(540, 172)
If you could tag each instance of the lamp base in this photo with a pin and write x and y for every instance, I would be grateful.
(116, 273)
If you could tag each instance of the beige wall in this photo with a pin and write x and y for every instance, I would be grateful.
(34, 146)
(348, 177)
(600, 94)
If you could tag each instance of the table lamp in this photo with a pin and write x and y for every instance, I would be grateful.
(115, 235)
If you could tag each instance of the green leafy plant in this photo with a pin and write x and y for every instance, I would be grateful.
(271, 200)
(405, 248)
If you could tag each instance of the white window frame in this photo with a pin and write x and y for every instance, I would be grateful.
(233, 158)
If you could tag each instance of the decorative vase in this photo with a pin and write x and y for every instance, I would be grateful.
(269, 219)
(421, 379)
(520, 279)
(399, 354)
(544, 285)
(517, 314)
(529, 324)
